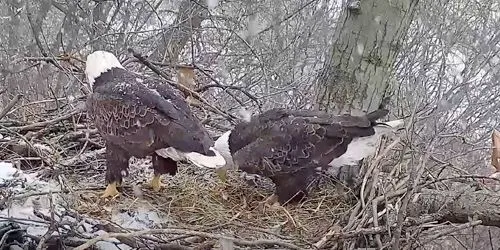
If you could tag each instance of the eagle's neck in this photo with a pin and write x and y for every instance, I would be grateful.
(107, 76)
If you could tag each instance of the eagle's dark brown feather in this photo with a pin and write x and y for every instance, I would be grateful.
(138, 116)
(290, 146)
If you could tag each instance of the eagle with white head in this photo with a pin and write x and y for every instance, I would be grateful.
(291, 146)
(141, 116)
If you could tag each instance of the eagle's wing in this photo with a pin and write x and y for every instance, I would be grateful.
(116, 116)
(286, 141)
(127, 109)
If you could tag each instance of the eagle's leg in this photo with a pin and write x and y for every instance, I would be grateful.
(162, 166)
(291, 189)
(116, 168)
(156, 183)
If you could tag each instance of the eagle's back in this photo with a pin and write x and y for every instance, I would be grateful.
(282, 141)
(142, 115)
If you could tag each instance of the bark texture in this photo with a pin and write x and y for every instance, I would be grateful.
(366, 43)
(458, 206)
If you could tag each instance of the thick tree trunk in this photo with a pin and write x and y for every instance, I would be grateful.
(368, 38)
(175, 38)
(458, 206)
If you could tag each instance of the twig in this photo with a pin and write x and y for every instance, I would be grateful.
(10, 105)
(22, 196)
(83, 157)
(337, 234)
(51, 59)
(262, 242)
(218, 85)
(30, 145)
(24, 221)
(46, 123)
(442, 233)
(4, 237)
(372, 167)
(181, 87)
(333, 231)
(52, 227)
(412, 185)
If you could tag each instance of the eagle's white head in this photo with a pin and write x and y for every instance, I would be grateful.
(99, 62)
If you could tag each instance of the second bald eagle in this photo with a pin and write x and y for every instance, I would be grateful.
(291, 146)
(140, 116)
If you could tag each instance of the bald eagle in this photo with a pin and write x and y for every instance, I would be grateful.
(141, 116)
(292, 146)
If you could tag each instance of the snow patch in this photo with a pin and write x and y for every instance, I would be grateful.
(18, 181)
(7, 172)
(211, 4)
(360, 48)
(158, 94)
(28, 202)
(244, 114)
(141, 219)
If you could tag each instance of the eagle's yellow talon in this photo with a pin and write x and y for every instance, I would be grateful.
(110, 191)
(156, 183)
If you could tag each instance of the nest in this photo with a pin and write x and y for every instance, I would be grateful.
(196, 199)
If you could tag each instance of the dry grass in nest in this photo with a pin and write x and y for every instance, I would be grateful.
(195, 198)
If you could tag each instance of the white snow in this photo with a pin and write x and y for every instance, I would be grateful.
(211, 4)
(15, 177)
(7, 172)
(27, 188)
(360, 48)
(244, 114)
(141, 219)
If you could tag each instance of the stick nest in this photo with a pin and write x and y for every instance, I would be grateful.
(195, 198)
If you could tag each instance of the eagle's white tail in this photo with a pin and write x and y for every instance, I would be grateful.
(363, 147)
(387, 127)
(99, 62)
(197, 159)
(395, 123)
(204, 161)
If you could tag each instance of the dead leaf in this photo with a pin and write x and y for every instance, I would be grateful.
(186, 77)
(495, 146)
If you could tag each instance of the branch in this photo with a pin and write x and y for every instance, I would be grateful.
(218, 85)
(45, 123)
(458, 206)
(262, 242)
(449, 231)
(10, 105)
(181, 87)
